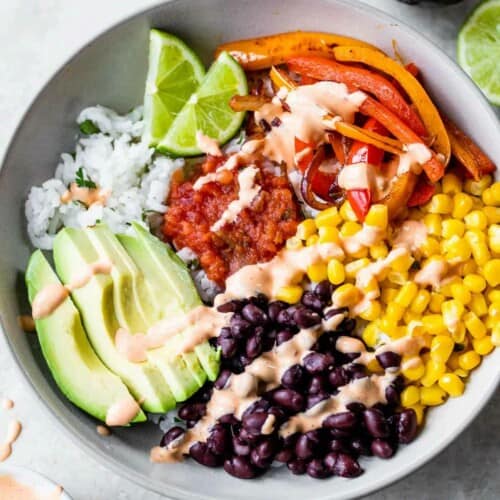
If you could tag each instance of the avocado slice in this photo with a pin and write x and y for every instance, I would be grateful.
(73, 251)
(172, 279)
(77, 370)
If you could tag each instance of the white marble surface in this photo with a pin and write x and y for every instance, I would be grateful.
(36, 36)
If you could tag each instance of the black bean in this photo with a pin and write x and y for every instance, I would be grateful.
(254, 346)
(201, 453)
(317, 469)
(338, 377)
(337, 310)
(275, 308)
(254, 315)
(312, 301)
(241, 447)
(343, 420)
(192, 411)
(348, 325)
(283, 336)
(276, 122)
(340, 433)
(219, 440)
(305, 448)
(382, 448)
(240, 467)
(360, 447)
(285, 455)
(171, 435)
(289, 399)
(278, 413)
(407, 426)
(221, 381)
(317, 362)
(388, 359)
(294, 377)
(338, 445)
(228, 419)
(355, 371)
(259, 300)
(317, 385)
(306, 318)
(259, 406)
(392, 395)
(290, 441)
(253, 422)
(240, 327)
(375, 423)
(356, 407)
(315, 399)
(264, 125)
(297, 466)
(230, 307)
(263, 454)
(244, 360)
(268, 340)
(191, 423)
(228, 346)
(330, 460)
(346, 466)
(324, 290)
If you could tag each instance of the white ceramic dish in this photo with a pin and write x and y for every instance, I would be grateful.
(111, 70)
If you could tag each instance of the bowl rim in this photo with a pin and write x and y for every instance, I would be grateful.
(113, 464)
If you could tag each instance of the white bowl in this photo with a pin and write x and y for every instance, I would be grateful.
(111, 71)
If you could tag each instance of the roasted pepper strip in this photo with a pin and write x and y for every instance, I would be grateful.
(468, 153)
(433, 167)
(400, 192)
(361, 152)
(422, 194)
(264, 52)
(322, 68)
(419, 97)
(361, 201)
(280, 80)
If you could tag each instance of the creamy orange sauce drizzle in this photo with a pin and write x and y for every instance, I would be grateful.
(411, 235)
(122, 412)
(357, 176)
(415, 156)
(102, 430)
(49, 298)
(11, 489)
(13, 432)
(207, 145)
(7, 404)
(248, 190)
(85, 195)
(365, 238)
(433, 273)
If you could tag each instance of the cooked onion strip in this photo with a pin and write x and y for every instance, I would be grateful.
(306, 185)
(281, 80)
(248, 102)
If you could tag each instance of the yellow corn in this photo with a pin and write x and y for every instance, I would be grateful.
(495, 335)
(474, 325)
(377, 216)
(494, 238)
(441, 204)
(378, 251)
(441, 348)
(388, 294)
(492, 272)
(371, 287)
(305, 229)
(432, 396)
(372, 312)
(430, 247)
(461, 293)
(350, 228)
(398, 278)
(328, 218)
(406, 294)
(475, 283)
(457, 249)
(469, 360)
(421, 301)
(347, 213)
(493, 295)
(476, 220)
(346, 295)
(483, 346)
(402, 263)
(467, 267)
(460, 372)
(370, 335)
(452, 310)
(478, 304)
(328, 234)
(458, 333)
(493, 214)
(412, 368)
(410, 396)
(353, 268)
(410, 316)
(477, 187)
(494, 310)
(435, 303)
(433, 370)
(294, 243)
(452, 227)
(433, 324)
(433, 223)
(312, 240)
(419, 410)
(290, 294)
(451, 384)
(317, 272)
(394, 312)
(451, 184)
(453, 361)
(495, 194)
(462, 204)
(336, 272)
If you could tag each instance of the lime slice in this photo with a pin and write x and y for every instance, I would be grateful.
(479, 48)
(174, 73)
(207, 110)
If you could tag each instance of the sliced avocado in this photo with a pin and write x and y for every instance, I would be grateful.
(172, 279)
(73, 252)
(77, 370)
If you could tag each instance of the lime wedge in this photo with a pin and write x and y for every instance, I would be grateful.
(207, 110)
(174, 73)
(479, 48)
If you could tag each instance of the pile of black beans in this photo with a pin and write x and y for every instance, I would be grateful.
(240, 446)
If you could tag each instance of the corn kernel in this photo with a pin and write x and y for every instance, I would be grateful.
(312, 240)
(451, 184)
(347, 213)
(388, 294)
(350, 228)
(493, 295)
(432, 396)
(441, 348)
(433, 370)
(492, 272)
(328, 234)
(478, 304)
(493, 214)
(305, 229)
(469, 360)
(452, 227)
(487, 197)
(353, 268)
(433, 223)
(372, 312)
(294, 243)
(474, 325)
(453, 361)
(475, 283)
(402, 263)
(467, 267)
(397, 278)
(495, 193)
(495, 335)
(406, 294)
(494, 310)
(476, 220)
(346, 295)
(290, 294)
(419, 410)
(441, 204)
(458, 333)
(379, 251)
(410, 396)
(483, 346)
(370, 335)
(359, 254)
(458, 250)
(317, 272)
(494, 238)
(461, 293)
(336, 272)
(462, 204)
(446, 289)
(481, 253)
(394, 312)
(436, 301)
(377, 216)
(451, 384)
(430, 246)
(412, 368)
(477, 187)
(410, 316)
(328, 218)
(420, 302)
(433, 324)
(460, 372)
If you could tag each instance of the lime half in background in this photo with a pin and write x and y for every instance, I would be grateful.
(207, 110)
(479, 48)
(174, 73)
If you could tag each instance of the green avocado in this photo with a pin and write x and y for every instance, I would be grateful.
(77, 370)
(73, 252)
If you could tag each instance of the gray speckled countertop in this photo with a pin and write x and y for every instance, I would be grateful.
(36, 36)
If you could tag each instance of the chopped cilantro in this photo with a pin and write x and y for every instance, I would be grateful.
(83, 182)
(177, 419)
(88, 127)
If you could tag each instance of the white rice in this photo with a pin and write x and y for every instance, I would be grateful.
(115, 159)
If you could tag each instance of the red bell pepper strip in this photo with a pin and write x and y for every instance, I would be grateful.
(422, 194)
(322, 68)
(412, 68)
(370, 107)
(360, 200)
(361, 152)
(304, 153)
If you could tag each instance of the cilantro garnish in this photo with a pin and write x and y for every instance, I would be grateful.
(83, 182)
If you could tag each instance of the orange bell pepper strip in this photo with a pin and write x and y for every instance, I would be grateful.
(281, 80)
(468, 153)
(322, 68)
(401, 190)
(433, 167)
(406, 79)
(264, 52)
